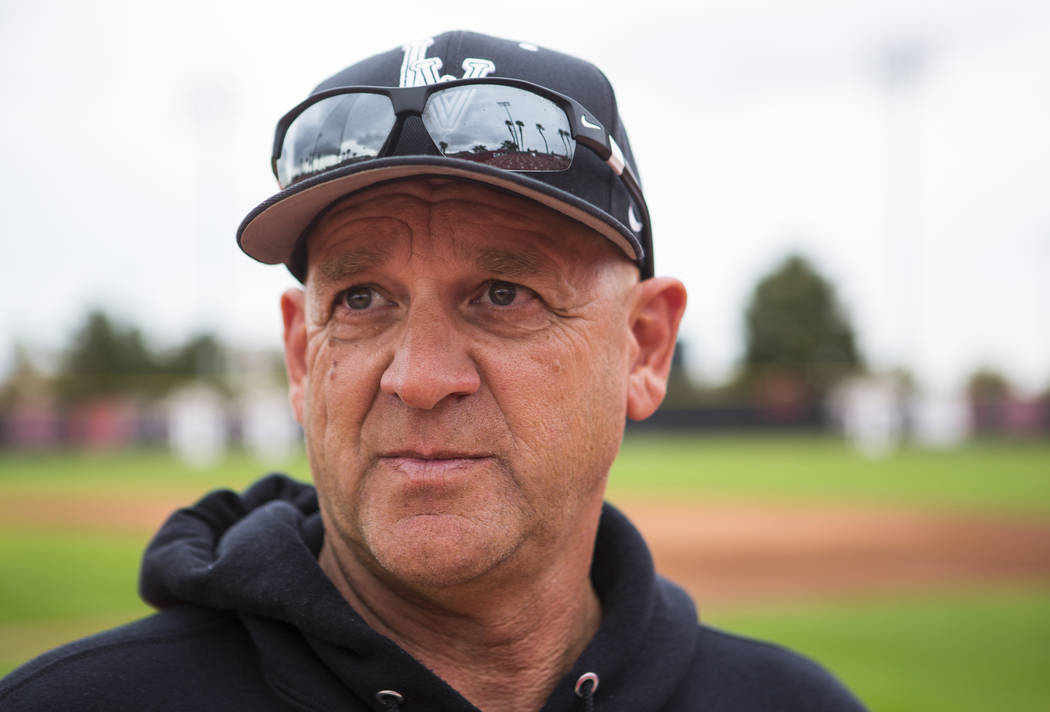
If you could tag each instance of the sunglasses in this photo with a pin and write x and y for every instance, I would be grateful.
(509, 124)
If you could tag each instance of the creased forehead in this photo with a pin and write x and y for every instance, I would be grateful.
(462, 212)
(345, 265)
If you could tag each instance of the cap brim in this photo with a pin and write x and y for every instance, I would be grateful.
(270, 232)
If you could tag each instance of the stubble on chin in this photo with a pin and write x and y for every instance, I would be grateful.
(432, 535)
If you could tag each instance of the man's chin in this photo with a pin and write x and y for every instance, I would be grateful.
(439, 550)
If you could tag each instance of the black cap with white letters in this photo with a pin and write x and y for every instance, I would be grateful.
(588, 191)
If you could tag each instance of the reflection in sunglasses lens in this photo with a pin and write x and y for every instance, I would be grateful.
(334, 132)
(500, 126)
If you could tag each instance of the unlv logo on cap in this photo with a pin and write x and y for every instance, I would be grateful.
(417, 69)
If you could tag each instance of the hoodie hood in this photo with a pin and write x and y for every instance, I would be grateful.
(255, 555)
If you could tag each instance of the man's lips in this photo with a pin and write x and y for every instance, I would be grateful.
(433, 454)
(417, 464)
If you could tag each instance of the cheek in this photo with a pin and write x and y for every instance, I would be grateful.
(590, 366)
(341, 391)
(342, 386)
(595, 385)
(566, 396)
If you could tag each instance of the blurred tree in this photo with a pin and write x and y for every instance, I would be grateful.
(106, 359)
(988, 391)
(200, 358)
(987, 385)
(24, 382)
(799, 342)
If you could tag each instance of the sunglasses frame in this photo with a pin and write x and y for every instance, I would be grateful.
(411, 101)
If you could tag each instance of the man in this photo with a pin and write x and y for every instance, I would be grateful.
(477, 320)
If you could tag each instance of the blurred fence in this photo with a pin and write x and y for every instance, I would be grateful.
(204, 421)
(198, 423)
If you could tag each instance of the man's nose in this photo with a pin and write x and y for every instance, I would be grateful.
(430, 362)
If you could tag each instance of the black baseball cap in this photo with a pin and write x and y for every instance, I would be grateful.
(588, 191)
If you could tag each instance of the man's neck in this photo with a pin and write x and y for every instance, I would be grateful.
(503, 648)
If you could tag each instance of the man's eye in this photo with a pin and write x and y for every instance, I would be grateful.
(502, 293)
(358, 298)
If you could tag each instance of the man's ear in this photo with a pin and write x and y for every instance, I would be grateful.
(293, 310)
(654, 325)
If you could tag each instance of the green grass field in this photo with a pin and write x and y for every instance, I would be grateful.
(976, 650)
(1005, 476)
(952, 653)
(999, 475)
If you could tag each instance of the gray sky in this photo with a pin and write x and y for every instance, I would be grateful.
(138, 135)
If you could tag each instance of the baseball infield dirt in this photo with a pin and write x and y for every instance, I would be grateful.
(729, 551)
(736, 553)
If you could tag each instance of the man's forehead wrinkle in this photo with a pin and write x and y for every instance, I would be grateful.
(351, 224)
(525, 240)
(511, 262)
(495, 233)
(551, 235)
(345, 265)
(523, 237)
(440, 222)
(525, 214)
(346, 243)
(379, 202)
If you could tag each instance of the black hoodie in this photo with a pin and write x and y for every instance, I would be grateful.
(248, 621)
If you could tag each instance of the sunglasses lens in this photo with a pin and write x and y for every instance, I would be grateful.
(500, 126)
(334, 132)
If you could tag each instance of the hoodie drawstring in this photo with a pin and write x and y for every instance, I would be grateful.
(586, 686)
(390, 699)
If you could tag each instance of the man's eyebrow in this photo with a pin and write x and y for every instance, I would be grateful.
(513, 263)
(349, 264)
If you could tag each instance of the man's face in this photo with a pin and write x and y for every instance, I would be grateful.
(463, 383)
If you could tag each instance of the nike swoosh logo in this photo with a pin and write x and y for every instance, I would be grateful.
(636, 224)
(588, 124)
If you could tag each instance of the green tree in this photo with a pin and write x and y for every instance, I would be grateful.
(202, 358)
(25, 380)
(202, 355)
(104, 359)
(797, 333)
(107, 358)
(988, 391)
(988, 385)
